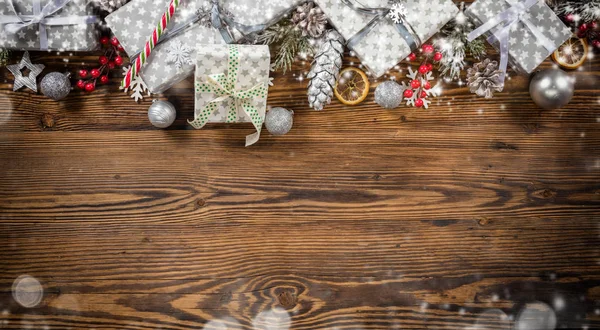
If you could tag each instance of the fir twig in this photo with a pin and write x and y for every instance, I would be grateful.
(288, 42)
(4, 56)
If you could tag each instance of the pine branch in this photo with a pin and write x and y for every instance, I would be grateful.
(288, 42)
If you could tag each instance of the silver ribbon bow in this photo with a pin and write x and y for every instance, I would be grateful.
(380, 14)
(41, 16)
(515, 14)
(218, 20)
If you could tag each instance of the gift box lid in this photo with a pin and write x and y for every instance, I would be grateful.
(384, 47)
(525, 51)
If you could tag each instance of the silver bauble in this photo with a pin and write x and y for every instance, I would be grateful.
(389, 94)
(56, 85)
(279, 121)
(551, 88)
(161, 114)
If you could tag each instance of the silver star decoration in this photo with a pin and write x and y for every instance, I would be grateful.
(29, 81)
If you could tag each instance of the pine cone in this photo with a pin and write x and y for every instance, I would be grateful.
(484, 79)
(325, 70)
(310, 20)
(109, 5)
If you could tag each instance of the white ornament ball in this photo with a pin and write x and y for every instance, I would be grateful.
(551, 89)
(389, 94)
(161, 114)
(279, 121)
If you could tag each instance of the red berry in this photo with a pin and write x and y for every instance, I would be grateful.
(415, 84)
(118, 60)
(593, 25)
(114, 41)
(427, 85)
(83, 73)
(412, 57)
(423, 69)
(104, 79)
(104, 40)
(120, 48)
(429, 67)
(111, 65)
(427, 49)
(89, 87)
(596, 43)
(95, 73)
(581, 34)
(408, 93)
(583, 27)
(80, 84)
(103, 60)
(438, 56)
(419, 103)
(423, 94)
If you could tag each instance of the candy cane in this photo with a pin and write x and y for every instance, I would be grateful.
(152, 41)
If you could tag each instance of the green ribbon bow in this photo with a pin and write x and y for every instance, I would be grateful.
(224, 87)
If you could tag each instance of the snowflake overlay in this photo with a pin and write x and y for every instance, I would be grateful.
(179, 54)
(138, 86)
(397, 13)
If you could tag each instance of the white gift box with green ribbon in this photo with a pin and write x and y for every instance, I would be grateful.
(231, 85)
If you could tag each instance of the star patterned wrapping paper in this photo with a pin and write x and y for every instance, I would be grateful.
(384, 47)
(68, 37)
(134, 22)
(525, 52)
(254, 68)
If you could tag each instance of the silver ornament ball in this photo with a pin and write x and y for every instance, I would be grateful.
(56, 85)
(279, 121)
(161, 114)
(551, 88)
(389, 94)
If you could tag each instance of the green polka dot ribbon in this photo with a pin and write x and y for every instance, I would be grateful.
(223, 86)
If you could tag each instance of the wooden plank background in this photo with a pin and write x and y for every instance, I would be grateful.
(359, 218)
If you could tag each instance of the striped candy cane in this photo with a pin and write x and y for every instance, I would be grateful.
(158, 31)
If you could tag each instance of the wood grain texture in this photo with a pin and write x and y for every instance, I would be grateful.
(359, 218)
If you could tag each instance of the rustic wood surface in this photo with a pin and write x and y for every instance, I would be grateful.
(360, 218)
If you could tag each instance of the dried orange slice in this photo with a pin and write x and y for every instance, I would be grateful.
(352, 86)
(572, 53)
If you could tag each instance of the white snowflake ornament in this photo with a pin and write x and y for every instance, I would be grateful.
(397, 13)
(138, 86)
(179, 54)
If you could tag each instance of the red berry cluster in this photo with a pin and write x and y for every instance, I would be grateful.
(108, 61)
(589, 30)
(416, 87)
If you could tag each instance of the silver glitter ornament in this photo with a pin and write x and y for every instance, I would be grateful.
(279, 121)
(161, 113)
(56, 85)
(551, 88)
(389, 94)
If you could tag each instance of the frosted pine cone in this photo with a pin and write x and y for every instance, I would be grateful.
(109, 5)
(310, 20)
(325, 70)
(484, 79)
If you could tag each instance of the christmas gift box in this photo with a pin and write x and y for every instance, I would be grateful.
(381, 32)
(64, 25)
(525, 32)
(231, 84)
(194, 22)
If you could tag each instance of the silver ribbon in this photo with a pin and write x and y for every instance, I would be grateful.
(380, 14)
(515, 14)
(218, 20)
(41, 16)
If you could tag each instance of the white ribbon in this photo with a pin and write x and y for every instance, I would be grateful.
(515, 14)
(41, 16)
